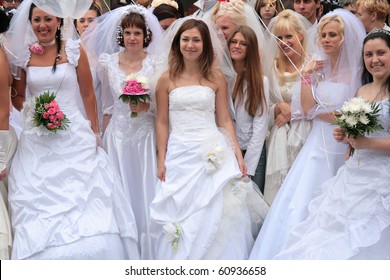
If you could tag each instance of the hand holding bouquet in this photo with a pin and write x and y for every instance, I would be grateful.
(48, 114)
(136, 89)
(358, 117)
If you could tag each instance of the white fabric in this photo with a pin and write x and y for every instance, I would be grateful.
(3, 148)
(212, 212)
(318, 160)
(131, 146)
(62, 189)
(5, 224)
(64, 8)
(285, 142)
(250, 132)
(350, 216)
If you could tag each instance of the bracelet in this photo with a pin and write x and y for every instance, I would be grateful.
(306, 80)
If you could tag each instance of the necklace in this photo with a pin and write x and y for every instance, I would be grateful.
(132, 66)
(48, 44)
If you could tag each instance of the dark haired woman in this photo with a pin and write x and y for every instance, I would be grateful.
(66, 200)
(94, 11)
(130, 142)
(201, 208)
(350, 216)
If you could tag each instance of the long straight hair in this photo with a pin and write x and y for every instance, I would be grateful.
(206, 58)
(252, 74)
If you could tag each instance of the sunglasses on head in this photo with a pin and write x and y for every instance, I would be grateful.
(10, 1)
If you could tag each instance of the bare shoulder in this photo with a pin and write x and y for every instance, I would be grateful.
(218, 79)
(365, 91)
(164, 82)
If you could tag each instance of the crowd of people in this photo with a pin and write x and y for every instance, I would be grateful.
(205, 136)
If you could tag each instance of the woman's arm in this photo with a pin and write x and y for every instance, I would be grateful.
(368, 143)
(4, 92)
(162, 122)
(84, 78)
(18, 91)
(223, 117)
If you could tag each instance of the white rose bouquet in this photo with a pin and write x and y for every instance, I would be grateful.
(358, 117)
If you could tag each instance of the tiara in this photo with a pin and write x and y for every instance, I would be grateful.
(171, 3)
(137, 9)
(376, 30)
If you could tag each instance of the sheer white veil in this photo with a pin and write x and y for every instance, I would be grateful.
(100, 36)
(249, 14)
(269, 66)
(20, 35)
(348, 68)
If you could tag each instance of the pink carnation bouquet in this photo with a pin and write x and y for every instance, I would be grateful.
(136, 89)
(48, 114)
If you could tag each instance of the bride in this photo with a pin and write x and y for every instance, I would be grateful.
(201, 209)
(66, 200)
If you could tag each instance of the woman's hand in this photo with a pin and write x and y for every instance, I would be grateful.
(360, 142)
(339, 135)
(161, 170)
(281, 120)
(139, 107)
(242, 166)
(312, 66)
(3, 174)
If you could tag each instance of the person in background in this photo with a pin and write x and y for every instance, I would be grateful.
(94, 11)
(350, 5)
(308, 9)
(249, 102)
(349, 217)
(266, 9)
(166, 11)
(288, 129)
(373, 13)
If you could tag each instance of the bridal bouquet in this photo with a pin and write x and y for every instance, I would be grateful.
(358, 117)
(136, 89)
(48, 114)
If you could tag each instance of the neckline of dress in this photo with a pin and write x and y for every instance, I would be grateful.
(179, 87)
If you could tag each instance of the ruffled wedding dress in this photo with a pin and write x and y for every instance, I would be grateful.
(131, 146)
(203, 210)
(319, 159)
(66, 200)
(350, 217)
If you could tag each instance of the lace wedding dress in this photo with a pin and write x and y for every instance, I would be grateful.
(66, 200)
(203, 210)
(131, 145)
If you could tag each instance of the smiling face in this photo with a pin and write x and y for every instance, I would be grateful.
(238, 47)
(133, 38)
(191, 44)
(44, 25)
(290, 43)
(225, 25)
(331, 38)
(376, 54)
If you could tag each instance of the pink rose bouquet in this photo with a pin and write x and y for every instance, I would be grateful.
(48, 114)
(136, 89)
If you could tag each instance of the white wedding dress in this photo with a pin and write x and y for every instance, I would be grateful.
(319, 159)
(131, 146)
(66, 200)
(350, 216)
(214, 214)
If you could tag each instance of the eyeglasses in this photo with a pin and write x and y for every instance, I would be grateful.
(16, 1)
